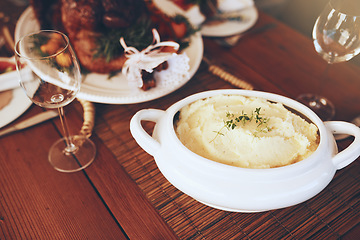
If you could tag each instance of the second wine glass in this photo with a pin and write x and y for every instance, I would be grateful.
(336, 36)
(50, 75)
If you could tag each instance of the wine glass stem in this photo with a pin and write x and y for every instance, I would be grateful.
(315, 103)
(70, 146)
(324, 78)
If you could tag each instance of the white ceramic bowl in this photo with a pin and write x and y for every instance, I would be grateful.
(239, 189)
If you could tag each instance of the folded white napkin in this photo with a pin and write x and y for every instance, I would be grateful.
(9, 80)
(197, 18)
(234, 5)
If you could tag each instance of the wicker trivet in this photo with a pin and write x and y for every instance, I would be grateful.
(89, 118)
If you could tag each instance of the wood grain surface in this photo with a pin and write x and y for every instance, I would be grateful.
(123, 195)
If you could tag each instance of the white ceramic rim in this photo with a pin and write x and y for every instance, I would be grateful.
(296, 167)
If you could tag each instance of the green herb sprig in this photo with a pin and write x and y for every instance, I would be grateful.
(232, 122)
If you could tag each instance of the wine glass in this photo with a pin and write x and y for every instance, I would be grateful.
(50, 76)
(336, 36)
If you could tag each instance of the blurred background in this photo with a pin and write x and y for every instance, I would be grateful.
(298, 14)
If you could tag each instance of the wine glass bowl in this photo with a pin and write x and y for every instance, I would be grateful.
(336, 31)
(54, 69)
(336, 37)
(50, 76)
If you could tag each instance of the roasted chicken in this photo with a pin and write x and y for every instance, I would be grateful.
(94, 28)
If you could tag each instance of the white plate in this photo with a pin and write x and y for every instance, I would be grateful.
(17, 105)
(223, 29)
(229, 28)
(98, 88)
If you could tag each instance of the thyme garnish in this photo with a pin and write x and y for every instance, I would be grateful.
(232, 122)
(138, 36)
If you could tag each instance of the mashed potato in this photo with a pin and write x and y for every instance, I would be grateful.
(267, 135)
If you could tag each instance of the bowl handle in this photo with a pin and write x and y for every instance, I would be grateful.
(145, 141)
(352, 152)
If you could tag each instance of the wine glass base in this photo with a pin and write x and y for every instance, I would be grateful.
(65, 161)
(318, 104)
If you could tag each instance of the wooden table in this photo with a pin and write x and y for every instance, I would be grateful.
(122, 194)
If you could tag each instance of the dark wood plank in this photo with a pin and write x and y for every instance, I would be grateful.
(354, 233)
(38, 202)
(127, 203)
(123, 197)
